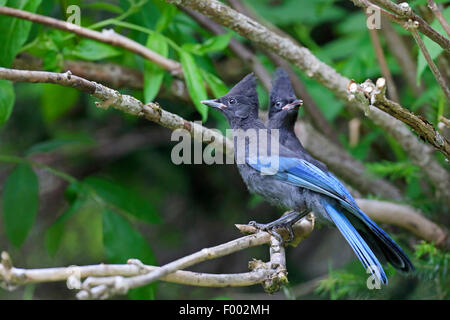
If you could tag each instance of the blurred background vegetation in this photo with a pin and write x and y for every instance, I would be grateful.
(114, 192)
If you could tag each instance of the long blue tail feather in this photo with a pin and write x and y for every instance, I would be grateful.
(356, 242)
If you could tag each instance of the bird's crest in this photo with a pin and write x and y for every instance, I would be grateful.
(281, 85)
(245, 87)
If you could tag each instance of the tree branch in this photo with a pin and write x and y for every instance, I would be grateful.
(106, 36)
(13, 277)
(103, 281)
(128, 104)
(375, 95)
(405, 217)
(109, 74)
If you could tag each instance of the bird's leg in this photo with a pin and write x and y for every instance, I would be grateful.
(286, 221)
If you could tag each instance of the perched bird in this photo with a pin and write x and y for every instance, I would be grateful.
(283, 110)
(301, 186)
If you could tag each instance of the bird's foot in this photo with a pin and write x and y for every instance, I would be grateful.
(271, 229)
(285, 222)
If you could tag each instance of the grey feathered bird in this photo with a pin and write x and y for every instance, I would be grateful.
(301, 186)
(283, 110)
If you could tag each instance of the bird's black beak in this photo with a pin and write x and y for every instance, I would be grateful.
(292, 105)
(214, 104)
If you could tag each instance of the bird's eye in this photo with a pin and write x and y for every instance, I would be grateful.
(232, 101)
(278, 104)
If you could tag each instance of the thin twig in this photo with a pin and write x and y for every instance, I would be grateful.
(412, 27)
(107, 36)
(404, 10)
(392, 89)
(402, 54)
(438, 14)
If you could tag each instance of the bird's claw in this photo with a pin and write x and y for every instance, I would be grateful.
(271, 230)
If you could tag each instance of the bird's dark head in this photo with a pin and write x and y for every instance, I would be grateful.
(283, 102)
(240, 103)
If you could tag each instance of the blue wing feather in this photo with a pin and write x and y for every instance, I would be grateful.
(304, 174)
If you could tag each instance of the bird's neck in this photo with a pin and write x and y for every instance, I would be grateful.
(251, 122)
(282, 121)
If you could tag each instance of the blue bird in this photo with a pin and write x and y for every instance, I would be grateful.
(292, 180)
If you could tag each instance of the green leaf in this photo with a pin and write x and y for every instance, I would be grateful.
(7, 97)
(57, 100)
(20, 203)
(394, 170)
(124, 199)
(14, 31)
(194, 82)
(289, 12)
(55, 232)
(92, 50)
(153, 74)
(216, 85)
(166, 17)
(122, 242)
(433, 48)
(51, 145)
(216, 43)
(104, 6)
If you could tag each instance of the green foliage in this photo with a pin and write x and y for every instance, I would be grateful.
(51, 145)
(312, 12)
(351, 282)
(7, 98)
(213, 44)
(121, 242)
(217, 86)
(394, 170)
(434, 263)
(123, 199)
(57, 100)
(194, 82)
(55, 232)
(14, 31)
(104, 6)
(20, 203)
(432, 267)
(92, 50)
(153, 74)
